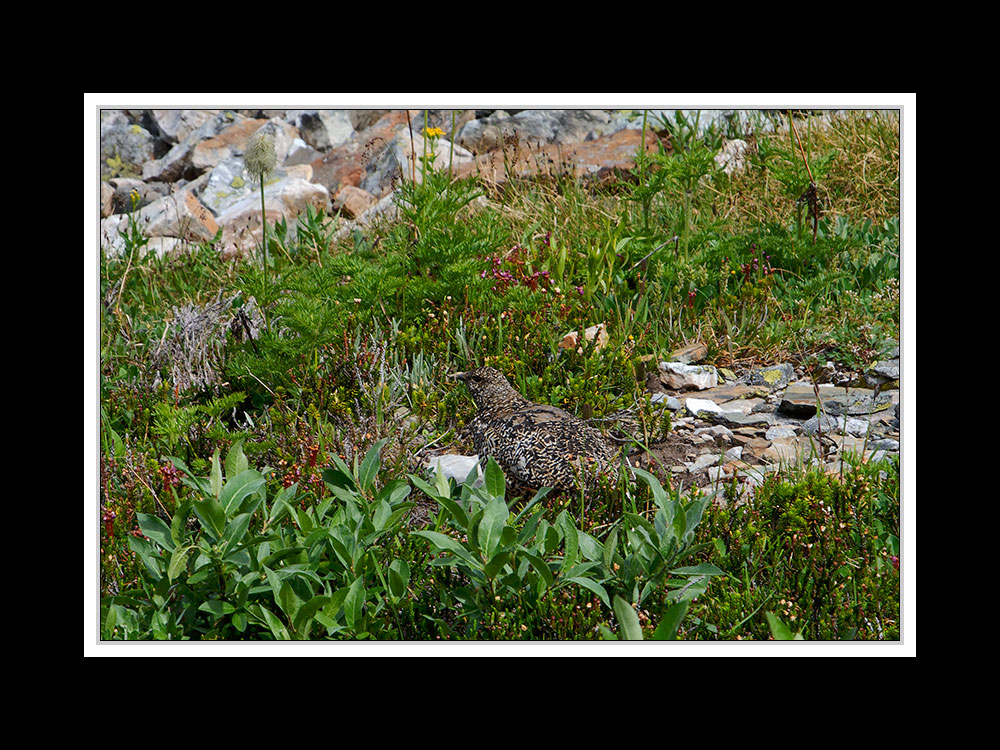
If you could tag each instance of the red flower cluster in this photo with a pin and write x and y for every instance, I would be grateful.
(516, 261)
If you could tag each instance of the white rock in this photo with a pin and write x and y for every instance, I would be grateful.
(779, 431)
(716, 431)
(301, 152)
(678, 375)
(323, 129)
(241, 222)
(457, 467)
(672, 403)
(732, 156)
(229, 183)
(843, 425)
(695, 406)
(734, 454)
(703, 461)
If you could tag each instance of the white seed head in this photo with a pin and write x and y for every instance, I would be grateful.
(259, 157)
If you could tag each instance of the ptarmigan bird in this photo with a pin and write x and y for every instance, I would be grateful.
(537, 444)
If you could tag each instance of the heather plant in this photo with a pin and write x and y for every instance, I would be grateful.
(819, 551)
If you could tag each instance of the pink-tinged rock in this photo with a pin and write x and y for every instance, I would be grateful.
(344, 165)
(572, 339)
(353, 201)
(600, 158)
(179, 215)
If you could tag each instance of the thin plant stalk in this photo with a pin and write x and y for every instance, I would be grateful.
(263, 222)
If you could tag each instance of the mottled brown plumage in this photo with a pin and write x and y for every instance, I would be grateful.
(537, 444)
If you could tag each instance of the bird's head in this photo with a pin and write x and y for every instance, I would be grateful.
(489, 388)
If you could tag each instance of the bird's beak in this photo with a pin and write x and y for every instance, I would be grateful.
(458, 375)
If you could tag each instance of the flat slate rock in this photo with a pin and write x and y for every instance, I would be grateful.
(690, 354)
(799, 400)
(732, 391)
(739, 419)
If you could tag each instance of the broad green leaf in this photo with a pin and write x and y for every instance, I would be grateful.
(779, 630)
(343, 544)
(273, 580)
(217, 607)
(424, 486)
(178, 562)
(399, 577)
(694, 513)
(239, 487)
(394, 491)
(441, 541)
(339, 476)
(456, 510)
(279, 555)
(539, 565)
(353, 601)
(610, 543)
(446, 543)
(381, 515)
(662, 525)
(236, 460)
(201, 484)
(282, 503)
(110, 621)
(640, 523)
(178, 523)
(240, 621)
(590, 548)
(492, 524)
(273, 623)
(370, 465)
(694, 587)
(306, 612)
(236, 530)
(215, 476)
(571, 538)
(660, 496)
(156, 530)
(672, 618)
(592, 585)
(628, 620)
(443, 486)
(288, 600)
(679, 526)
(304, 519)
(494, 481)
(496, 563)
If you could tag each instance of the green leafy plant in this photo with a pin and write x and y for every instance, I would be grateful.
(679, 170)
(510, 565)
(243, 573)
